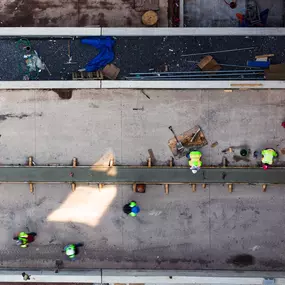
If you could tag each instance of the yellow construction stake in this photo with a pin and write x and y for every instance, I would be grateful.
(166, 189)
(230, 187)
(31, 187)
(149, 162)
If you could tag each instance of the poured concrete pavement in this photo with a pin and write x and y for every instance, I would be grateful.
(207, 229)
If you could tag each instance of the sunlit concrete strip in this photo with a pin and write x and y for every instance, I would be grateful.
(74, 276)
(190, 277)
(136, 84)
(51, 84)
(207, 84)
(49, 32)
(133, 174)
(126, 32)
(97, 31)
(144, 276)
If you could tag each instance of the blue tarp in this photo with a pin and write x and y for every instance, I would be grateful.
(106, 53)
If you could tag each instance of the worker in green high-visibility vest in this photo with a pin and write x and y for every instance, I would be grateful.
(268, 156)
(195, 162)
(71, 250)
(131, 209)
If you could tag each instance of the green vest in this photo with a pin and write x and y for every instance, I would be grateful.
(132, 204)
(70, 251)
(268, 155)
(24, 238)
(195, 159)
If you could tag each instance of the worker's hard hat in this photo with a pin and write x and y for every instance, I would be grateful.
(194, 171)
(265, 167)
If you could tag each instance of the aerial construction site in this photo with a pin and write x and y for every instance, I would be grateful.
(142, 142)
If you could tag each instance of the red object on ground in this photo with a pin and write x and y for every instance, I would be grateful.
(283, 124)
(30, 238)
(265, 167)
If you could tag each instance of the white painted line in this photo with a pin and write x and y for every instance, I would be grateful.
(51, 84)
(193, 32)
(117, 84)
(50, 32)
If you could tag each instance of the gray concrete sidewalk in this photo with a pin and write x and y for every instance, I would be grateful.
(207, 229)
(74, 13)
(103, 122)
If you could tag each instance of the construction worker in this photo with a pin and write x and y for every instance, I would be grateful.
(26, 276)
(131, 209)
(71, 251)
(268, 156)
(195, 162)
(23, 239)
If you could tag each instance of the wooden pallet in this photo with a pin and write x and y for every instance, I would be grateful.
(83, 75)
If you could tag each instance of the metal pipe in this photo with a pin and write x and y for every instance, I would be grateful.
(231, 65)
(193, 72)
(197, 79)
(202, 75)
(219, 51)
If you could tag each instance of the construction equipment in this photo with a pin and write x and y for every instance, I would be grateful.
(69, 54)
(84, 75)
(191, 139)
(179, 145)
(195, 135)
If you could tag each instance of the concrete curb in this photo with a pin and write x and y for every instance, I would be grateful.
(51, 84)
(126, 84)
(89, 31)
(136, 84)
(50, 32)
(193, 32)
(143, 276)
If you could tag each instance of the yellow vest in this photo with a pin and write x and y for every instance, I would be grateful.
(195, 159)
(268, 156)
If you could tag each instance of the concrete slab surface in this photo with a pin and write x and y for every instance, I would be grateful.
(74, 13)
(209, 229)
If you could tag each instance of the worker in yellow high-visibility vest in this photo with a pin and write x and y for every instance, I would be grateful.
(195, 162)
(268, 156)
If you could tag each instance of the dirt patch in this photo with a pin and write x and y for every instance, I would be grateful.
(101, 20)
(107, 5)
(83, 20)
(64, 94)
(4, 117)
(242, 260)
(129, 22)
